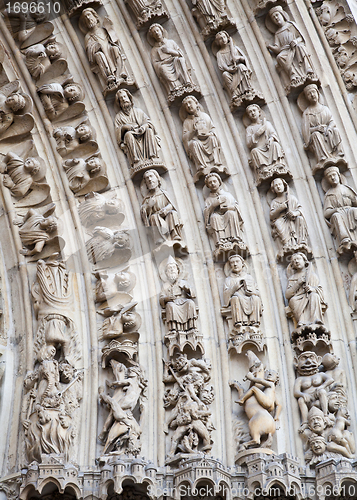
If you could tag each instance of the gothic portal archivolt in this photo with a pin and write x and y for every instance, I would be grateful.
(178, 266)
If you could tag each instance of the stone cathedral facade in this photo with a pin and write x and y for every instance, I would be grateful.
(178, 250)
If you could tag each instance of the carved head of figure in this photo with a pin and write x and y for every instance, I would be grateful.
(191, 105)
(15, 102)
(172, 270)
(277, 15)
(333, 36)
(308, 363)
(317, 444)
(222, 39)
(342, 56)
(113, 206)
(121, 239)
(152, 179)
(180, 363)
(46, 353)
(336, 400)
(271, 376)
(72, 92)
(50, 224)
(206, 394)
(124, 99)
(332, 174)
(316, 420)
(42, 415)
(298, 261)
(32, 166)
(53, 50)
(254, 112)
(37, 51)
(237, 263)
(330, 361)
(66, 372)
(94, 165)
(90, 18)
(156, 31)
(312, 93)
(84, 132)
(278, 186)
(213, 182)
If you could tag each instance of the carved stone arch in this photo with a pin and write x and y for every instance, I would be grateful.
(275, 490)
(130, 491)
(52, 491)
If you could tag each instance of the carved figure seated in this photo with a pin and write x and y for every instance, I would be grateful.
(14, 106)
(37, 61)
(200, 139)
(158, 211)
(86, 175)
(304, 292)
(340, 210)
(292, 57)
(104, 50)
(22, 176)
(287, 220)
(319, 130)
(169, 64)
(236, 72)
(61, 101)
(267, 155)
(105, 242)
(241, 294)
(69, 139)
(135, 133)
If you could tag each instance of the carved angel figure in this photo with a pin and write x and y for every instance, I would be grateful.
(169, 64)
(104, 51)
(79, 139)
(190, 397)
(158, 211)
(319, 131)
(87, 175)
(61, 102)
(121, 431)
(15, 120)
(30, 27)
(146, 10)
(97, 207)
(105, 242)
(200, 139)
(304, 292)
(260, 403)
(292, 57)
(287, 220)
(241, 294)
(236, 72)
(135, 133)
(340, 210)
(267, 155)
(39, 228)
(222, 217)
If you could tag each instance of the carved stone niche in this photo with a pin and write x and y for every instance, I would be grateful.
(212, 16)
(261, 405)
(242, 306)
(76, 141)
(121, 431)
(200, 139)
(170, 65)
(75, 7)
(86, 175)
(340, 210)
(262, 5)
(24, 175)
(46, 61)
(104, 51)
(179, 310)
(294, 63)
(189, 395)
(236, 72)
(136, 135)
(147, 11)
(159, 215)
(267, 155)
(288, 224)
(320, 133)
(16, 122)
(306, 305)
(223, 219)
(39, 230)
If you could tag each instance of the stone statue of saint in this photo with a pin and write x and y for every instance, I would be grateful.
(287, 220)
(320, 134)
(104, 51)
(169, 64)
(236, 72)
(304, 292)
(158, 211)
(267, 155)
(211, 16)
(136, 134)
(292, 57)
(222, 217)
(340, 210)
(200, 139)
(240, 292)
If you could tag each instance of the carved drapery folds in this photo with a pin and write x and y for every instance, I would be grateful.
(104, 51)
(15, 118)
(86, 175)
(212, 16)
(74, 142)
(267, 155)
(147, 11)
(293, 60)
(200, 139)
(236, 73)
